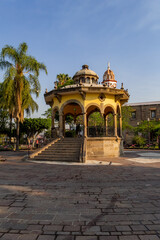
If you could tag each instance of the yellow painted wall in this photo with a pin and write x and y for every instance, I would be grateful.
(91, 98)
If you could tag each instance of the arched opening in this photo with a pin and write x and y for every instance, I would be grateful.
(88, 80)
(118, 122)
(95, 122)
(70, 124)
(109, 121)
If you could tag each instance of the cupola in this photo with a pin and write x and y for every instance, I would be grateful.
(85, 76)
(109, 78)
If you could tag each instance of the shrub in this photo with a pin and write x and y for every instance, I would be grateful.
(70, 133)
(6, 147)
(139, 141)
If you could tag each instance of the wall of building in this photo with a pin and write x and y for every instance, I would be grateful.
(102, 148)
(91, 98)
(140, 112)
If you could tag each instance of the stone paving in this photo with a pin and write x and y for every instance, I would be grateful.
(75, 202)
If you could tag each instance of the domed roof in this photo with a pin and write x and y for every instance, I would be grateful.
(108, 75)
(85, 71)
(109, 78)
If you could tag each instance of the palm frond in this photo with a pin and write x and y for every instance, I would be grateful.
(32, 106)
(35, 84)
(5, 64)
(30, 64)
(10, 52)
(43, 67)
(10, 72)
(7, 96)
(22, 49)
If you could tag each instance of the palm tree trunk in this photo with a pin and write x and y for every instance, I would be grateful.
(17, 135)
(10, 128)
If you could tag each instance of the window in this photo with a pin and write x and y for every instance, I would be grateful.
(133, 114)
(88, 80)
(153, 113)
(94, 81)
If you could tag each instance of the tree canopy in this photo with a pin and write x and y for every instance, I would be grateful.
(33, 126)
(126, 115)
(20, 81)
(4, 119)
(63, 80)
(152, 126)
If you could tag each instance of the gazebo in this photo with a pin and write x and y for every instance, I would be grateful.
(84, 97)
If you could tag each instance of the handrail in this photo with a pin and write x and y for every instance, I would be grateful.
(43, 148)
(100, 131)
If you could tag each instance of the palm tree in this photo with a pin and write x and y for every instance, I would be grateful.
(63, 80)
(20, 81)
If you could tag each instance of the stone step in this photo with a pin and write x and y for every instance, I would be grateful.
(66, 149)
(57, 160)
(57, 156)
(66, 144)
(67, 141)
(62, 148)
(59, 152)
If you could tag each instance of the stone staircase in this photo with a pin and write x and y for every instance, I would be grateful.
(65, 150)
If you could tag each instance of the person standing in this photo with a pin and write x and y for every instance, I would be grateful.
(37, 143)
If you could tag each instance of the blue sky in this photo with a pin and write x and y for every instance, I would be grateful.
(65, 34)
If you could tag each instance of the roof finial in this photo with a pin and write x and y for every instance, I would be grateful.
(108, 65)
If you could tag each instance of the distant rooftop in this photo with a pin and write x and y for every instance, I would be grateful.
(143, 103)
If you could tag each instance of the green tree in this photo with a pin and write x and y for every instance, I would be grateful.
(20, 81)
(139, 140)
(95, 119)
(149, 129)
(4, 118)
(48, 113)
(63, 80)
(34, 126)
(7, 104)
(126, 115)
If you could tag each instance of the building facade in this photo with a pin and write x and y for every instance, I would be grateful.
(140, 112)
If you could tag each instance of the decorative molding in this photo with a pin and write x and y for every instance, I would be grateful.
(83, 95)
(51, 103)
(102, 108)
(59, 97)
(118, 97)
(72, 101)
(102, 97)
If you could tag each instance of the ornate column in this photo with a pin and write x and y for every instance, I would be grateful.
(61, 125)
(64, 118)
(85, 124)
(115, 125)
(120, 125)
(105, 124)
(52, 123)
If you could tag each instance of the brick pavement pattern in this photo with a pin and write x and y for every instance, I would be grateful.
(71, 202)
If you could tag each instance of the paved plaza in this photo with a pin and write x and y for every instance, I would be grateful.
(114, 200)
